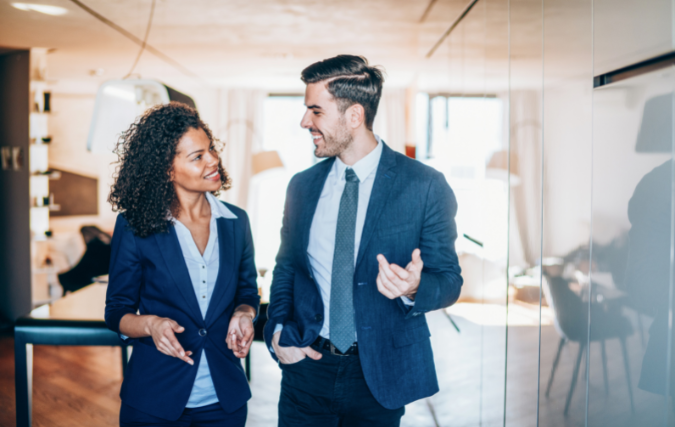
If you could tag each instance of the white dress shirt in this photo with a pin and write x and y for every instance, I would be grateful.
(324, 224)
(203, 271)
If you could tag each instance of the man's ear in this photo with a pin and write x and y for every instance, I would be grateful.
(356, 115)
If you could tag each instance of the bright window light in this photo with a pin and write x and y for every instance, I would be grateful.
(42, 8)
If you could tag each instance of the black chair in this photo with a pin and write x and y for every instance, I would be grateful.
(571, 322)
(94, 262)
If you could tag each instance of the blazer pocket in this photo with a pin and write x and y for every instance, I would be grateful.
(411, 336)
(395, 229)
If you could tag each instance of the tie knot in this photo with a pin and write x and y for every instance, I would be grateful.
(350, 175)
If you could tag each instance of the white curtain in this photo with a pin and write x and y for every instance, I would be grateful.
(240, 127)
(390, 121)
(526, 149)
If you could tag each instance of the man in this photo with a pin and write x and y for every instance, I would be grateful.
(367, 247)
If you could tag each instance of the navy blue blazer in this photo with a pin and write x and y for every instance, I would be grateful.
(411, 206)
(149, 275)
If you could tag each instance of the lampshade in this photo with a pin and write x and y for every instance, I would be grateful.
(265, 160)
(655, 135)
(498, 167)
(119, 103)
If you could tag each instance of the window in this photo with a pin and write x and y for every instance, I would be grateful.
(457, 136)
(282, 132)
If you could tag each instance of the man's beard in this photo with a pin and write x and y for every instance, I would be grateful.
(335, 144)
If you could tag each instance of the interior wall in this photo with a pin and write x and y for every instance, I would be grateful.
(15, 277)
(69, 122)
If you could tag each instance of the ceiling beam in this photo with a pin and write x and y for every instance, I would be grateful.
(459, 19)
(427, 10)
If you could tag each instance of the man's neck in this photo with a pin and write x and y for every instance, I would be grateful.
(360, 147)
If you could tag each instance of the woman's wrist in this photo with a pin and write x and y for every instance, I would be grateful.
(148, 323)
(245, 310)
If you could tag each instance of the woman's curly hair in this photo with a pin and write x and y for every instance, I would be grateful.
(143, 190)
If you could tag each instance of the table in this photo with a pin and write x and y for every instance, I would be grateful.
(76, 319)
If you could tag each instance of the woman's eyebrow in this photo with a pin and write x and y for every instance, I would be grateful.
(196, 151)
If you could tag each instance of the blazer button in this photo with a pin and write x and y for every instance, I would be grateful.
(202, 332)
(318, 317)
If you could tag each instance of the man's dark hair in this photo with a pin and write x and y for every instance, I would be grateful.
(351, 81)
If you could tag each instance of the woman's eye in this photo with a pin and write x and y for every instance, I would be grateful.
(197, 158)
(213, 147)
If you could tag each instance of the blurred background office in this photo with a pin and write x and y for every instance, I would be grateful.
(552, 120)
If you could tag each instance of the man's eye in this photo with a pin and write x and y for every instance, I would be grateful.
(316, 113)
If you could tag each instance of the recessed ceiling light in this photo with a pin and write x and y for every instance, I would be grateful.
(42, 8)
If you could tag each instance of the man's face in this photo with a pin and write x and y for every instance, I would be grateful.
(328, 127)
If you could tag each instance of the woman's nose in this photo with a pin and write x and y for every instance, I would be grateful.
(213, 158)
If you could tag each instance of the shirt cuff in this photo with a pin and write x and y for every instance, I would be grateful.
(277, 328)
(407, 301)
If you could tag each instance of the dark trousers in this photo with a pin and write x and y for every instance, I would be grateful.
(205, 416)
(331, 392)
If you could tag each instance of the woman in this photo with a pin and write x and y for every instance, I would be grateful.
(182, 284)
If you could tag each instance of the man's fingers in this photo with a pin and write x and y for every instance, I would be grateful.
(390, 278)
(417, 259)
(400, 272)
(383, 289)
(311, 353)
(382, 260)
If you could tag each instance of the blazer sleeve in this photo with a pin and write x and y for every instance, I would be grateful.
(441, 279)
(280, 308)
(125, 277)
(247, 288)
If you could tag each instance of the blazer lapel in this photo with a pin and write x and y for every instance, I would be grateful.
(384, 182)
(170, 249)
(226, 269)
(310, 202)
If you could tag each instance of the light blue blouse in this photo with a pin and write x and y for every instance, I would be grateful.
(203, 271)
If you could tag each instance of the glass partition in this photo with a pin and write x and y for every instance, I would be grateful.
(565, 222)
(628, 282)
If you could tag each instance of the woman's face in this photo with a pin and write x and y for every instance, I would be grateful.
(195, 167)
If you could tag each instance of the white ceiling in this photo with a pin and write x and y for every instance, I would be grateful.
(266, 43)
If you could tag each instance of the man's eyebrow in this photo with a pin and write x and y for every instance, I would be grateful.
(314, 107)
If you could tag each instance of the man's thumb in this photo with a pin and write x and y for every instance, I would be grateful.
(416, 257)
(312, 354)
(176, 327)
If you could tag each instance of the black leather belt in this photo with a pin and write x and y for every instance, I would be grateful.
(324, 344)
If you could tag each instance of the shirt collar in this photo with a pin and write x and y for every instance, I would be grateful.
(364, 167)
(218, 208)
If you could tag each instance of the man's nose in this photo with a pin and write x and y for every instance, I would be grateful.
(306, 122)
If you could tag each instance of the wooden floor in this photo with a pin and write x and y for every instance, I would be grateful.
(72, 386)
(79, 386)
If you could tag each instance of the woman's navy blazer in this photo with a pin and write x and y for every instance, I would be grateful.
(149, 276)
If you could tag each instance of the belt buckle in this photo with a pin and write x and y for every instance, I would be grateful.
(333, 351)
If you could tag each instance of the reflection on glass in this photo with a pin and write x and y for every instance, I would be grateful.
(629, 278)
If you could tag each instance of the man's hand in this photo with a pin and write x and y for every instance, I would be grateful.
(395, 282)
(162, 331)
(290, 355)
(240, 333)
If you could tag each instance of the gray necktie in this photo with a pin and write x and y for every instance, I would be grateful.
(342, 329)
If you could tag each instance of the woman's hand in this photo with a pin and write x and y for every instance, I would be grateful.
(240, 332)
(162, 330)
